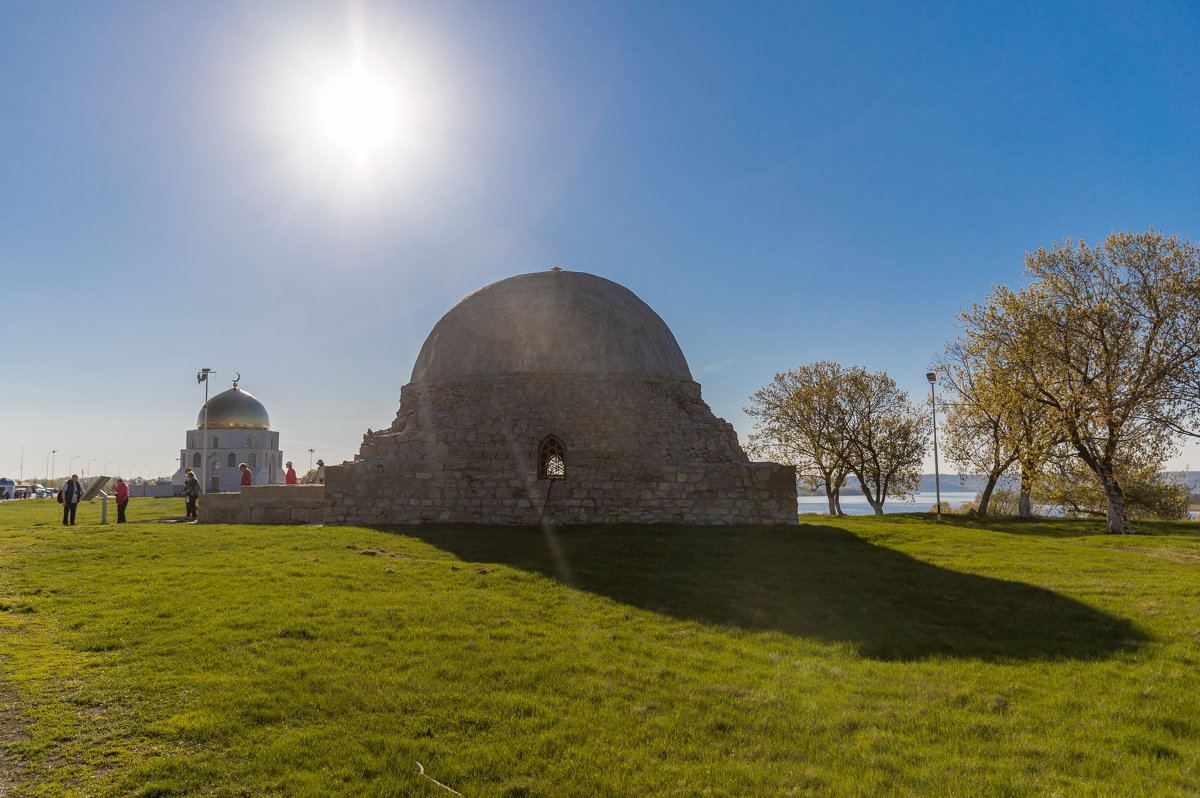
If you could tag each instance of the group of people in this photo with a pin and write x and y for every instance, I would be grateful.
(72, 491)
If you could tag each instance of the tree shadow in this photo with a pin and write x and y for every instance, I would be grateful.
(1054, 526)
(813, 581)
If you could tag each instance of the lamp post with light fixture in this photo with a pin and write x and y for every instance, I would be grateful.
(937, 477)
(202, 376)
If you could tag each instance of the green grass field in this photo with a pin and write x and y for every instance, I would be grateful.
(861, 656)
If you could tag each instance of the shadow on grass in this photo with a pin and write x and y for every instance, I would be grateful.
(812, 581)
(1051, 527)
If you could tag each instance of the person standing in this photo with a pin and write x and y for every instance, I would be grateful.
(122, 499)
(290, 477)
(191, 492)
(68, 496)
(247, 477)
(320, 472)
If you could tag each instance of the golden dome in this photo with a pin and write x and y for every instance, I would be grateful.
(234, 409)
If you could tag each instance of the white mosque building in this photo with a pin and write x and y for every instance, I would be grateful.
(237, 430)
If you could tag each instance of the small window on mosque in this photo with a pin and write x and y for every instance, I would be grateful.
(232, 461)
(196, 460)
(216, 467)
(252, 461)
(249, 442)
(552, 459)
(214, 443)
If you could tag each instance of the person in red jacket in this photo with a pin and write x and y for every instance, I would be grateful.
(290, 477)
(247, 477)
(122, 500)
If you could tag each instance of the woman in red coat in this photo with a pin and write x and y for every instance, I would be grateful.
(122, 500)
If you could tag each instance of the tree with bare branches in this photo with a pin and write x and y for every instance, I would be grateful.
(1104, 339)
(832, 421)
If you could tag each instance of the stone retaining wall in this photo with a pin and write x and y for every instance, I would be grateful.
(264, 504)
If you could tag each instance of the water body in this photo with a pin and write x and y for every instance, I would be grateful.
(856, 503)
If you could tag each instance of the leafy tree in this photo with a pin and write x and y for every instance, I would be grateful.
(1150, 493)
(1105, 341)
(830, 421)
(796, 423)
(991, 432)
(887, 438)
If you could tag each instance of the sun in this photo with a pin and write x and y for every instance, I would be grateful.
(357, 113)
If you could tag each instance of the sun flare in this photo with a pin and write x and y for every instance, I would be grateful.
(357, 114)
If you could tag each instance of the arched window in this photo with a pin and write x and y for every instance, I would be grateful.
(251, 460)
(196, 460)
(249, 442)
(214, 443)
(552, 459)
(232, 461)
(216, 467)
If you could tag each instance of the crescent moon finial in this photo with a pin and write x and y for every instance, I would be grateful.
(237, 379)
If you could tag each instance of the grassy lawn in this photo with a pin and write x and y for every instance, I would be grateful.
(860, 656)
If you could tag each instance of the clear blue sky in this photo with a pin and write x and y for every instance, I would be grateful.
(783, 182)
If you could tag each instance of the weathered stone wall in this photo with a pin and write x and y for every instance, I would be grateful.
(638, 450)
(264, 504)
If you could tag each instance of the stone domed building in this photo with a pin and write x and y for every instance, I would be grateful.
(555, 396)
(238, 431)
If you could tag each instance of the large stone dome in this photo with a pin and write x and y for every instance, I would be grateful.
(552, 322)
(234, 409)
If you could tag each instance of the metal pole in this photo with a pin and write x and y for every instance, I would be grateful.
(204, 460)
(937, 477)
(203, 377)
(52, 453)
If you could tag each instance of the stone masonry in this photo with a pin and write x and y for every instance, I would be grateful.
(264, 504)
(638, 449)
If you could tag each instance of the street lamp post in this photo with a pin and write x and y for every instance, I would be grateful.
(52, 453)
(937, 477)
(88, 470)
(310, 454)
(202, 376)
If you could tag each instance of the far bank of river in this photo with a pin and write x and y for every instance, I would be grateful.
(856, 503)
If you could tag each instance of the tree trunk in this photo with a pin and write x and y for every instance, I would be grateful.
(1117, 524)
(837, 503)
(833, 502)
(1024, 508)
(986, 496)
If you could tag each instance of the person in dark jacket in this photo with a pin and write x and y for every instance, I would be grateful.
(191, 492)
(69, 497)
